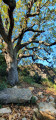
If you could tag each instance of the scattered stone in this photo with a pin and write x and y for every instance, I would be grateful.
(34, 117)
(36, 98)
(35, 110)
(31, 88)
(53, 103)
(39, 93)
(2, 118)
(45, 107)
(42, 96)
(24, 118)
(51, 98)
(18, 114)
(5, 110)
(47, 100)
(15, 95)
(45, 111)
(15, 86)
(37, 114)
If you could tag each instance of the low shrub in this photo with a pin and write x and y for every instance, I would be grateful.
(33, 100)
(37, 78)
(28, 79)
(2, 65)
(3, 85)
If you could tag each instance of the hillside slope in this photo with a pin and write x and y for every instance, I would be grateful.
(38, 70)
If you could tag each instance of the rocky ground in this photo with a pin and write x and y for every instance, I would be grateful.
(44, 109)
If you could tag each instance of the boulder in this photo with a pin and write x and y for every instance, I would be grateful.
(45, 111)
(47, 107)
(15, 95)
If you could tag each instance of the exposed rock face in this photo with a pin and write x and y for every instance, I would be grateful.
(15, 95)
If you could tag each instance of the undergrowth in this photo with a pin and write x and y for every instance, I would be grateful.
(3, 85)
(24, 76)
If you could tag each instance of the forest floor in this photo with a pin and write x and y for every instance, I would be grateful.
(29, 77)
(18, 112)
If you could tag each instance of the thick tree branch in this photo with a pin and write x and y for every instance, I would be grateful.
(2, 30)
(11, 24)
(25, 55)
(29, 6)
(34, 57)
(31, 29)
(32, 15)
(54, 43)
(35, 41)
(20, 36)
(37, 48)
(12, 5)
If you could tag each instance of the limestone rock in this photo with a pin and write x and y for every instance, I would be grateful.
(2, 118)
(39, 93)
(24, 118)
(15, 95)
(37, 114)
(31, 88)
(45, 111)
(34, 117)
(42, 96)
(47, 99)
(51, 98)
(5, 110)
(15, 86)
(45, 107)
(52, 103)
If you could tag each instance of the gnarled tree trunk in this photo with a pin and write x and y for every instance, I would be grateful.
(11, 61)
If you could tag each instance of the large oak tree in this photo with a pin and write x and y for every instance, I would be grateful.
(23, 35)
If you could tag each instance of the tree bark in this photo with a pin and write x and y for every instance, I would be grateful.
(11, 61)
(12, 75)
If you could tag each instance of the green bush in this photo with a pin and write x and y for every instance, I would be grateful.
(46, 82)
(3, 85)
(0, 106)
(28, 79)
(25, 72)
(33, 100)
(37, 78)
